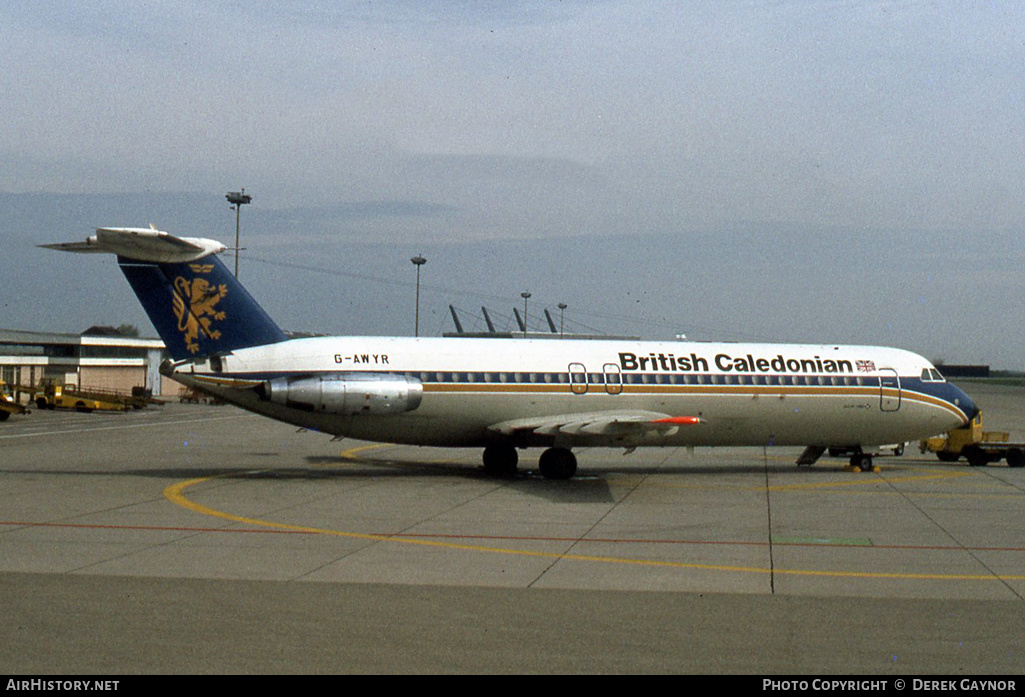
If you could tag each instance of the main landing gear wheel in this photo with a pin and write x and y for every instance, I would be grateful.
(861, 462)
(557, 463)
(500, 460)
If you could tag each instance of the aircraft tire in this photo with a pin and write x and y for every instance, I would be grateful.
(975, 455)
(500, 460)
(860, 462)
(557, 463)
(1016, 457)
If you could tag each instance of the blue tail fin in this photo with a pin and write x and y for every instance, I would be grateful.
(199, 307)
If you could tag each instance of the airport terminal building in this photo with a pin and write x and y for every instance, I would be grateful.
(100, 357)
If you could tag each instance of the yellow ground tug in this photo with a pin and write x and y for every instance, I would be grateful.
(7, 404)
(978, 447)
(53, 395)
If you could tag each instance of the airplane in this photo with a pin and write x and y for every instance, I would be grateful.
(505, 395)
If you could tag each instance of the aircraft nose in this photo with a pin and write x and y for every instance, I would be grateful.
(965, 403)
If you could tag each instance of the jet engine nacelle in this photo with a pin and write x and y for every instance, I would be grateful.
(348, 394)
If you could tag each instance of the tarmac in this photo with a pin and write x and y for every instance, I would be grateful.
(199, 539)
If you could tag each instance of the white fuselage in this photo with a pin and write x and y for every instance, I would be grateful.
(744, 394)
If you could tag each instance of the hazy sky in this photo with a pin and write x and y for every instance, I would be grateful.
(806, 171)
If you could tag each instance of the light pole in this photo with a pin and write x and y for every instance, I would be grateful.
(562, 318)
(526, 327)
(237, 199)
(418, 261)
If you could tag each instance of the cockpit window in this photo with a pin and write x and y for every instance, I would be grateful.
(931, 375)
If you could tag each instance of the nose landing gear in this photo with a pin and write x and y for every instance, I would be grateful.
(862, 462)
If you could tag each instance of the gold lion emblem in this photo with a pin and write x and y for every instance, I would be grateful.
(195, 304)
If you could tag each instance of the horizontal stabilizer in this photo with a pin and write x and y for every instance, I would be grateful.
(198, 307)
(143, 244)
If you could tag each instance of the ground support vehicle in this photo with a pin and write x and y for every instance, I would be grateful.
(978, 447)
(7, 404)
(54, 395)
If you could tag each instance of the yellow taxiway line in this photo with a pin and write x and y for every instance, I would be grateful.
(175, 493)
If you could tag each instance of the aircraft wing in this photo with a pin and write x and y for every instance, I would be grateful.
(619, 425)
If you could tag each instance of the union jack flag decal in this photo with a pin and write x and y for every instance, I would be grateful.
(866, 366)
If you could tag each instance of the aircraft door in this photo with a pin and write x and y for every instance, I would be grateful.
(889, 390)
(613, 378)
(578, 378)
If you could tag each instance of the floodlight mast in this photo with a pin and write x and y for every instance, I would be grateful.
(525, 295)
(237, 199)
(418, 261)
